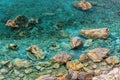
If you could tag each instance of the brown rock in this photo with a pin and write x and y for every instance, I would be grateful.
(95, 33)
(83, 57)
(74, 65)
(61, 57)
(75, 42)
(111, 60)
(97, 54)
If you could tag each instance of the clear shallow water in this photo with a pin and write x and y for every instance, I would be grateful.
(105, 13)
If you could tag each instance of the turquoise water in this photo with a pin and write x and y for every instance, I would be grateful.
(104, 13)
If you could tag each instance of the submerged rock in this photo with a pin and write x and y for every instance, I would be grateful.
(18, 21)
(61, 57)
(35, 53)
(13, 46)
(97, 54)
(74, 65)
(75, 42)
(21, 20)
(20, 63)
(83, 5)
(95, 33)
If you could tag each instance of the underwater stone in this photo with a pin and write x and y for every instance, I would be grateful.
(35, 53)
(75, 42)
(97, 54)
(88, 42)
(13, 46)
(111, 60)
(21, 20)
(3, 71)
(44, 64)
(74, 65)
(32, 21)
(83, 57)
(83, 5)
(20, 63)
(61, 57)
(1, 77)
(46, 77)
(29, 70)
(56, 65)
(101, 33)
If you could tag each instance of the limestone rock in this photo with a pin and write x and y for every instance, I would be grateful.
(95, 33)
(61, 57)
(75, 42)
(97, 54)
(111, 60)
(74, 65)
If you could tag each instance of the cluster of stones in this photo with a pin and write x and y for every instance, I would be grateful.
(89, 64)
